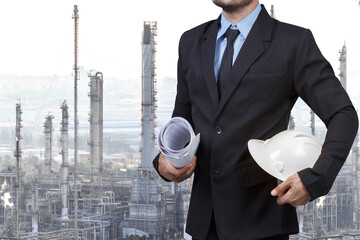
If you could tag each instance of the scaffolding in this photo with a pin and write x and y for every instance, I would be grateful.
(146, 208)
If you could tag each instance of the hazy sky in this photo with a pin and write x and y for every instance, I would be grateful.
(37, 35)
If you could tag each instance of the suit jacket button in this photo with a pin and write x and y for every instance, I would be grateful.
(216, 170)
(218, 130)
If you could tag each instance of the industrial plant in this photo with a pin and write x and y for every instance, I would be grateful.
(70, 204)
(64, 202)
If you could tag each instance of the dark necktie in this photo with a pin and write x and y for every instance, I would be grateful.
(226, 63)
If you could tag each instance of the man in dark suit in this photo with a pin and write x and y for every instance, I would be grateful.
(271, 64)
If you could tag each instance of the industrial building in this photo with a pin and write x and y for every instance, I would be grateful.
(69, 204)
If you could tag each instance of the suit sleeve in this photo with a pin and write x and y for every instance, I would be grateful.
(316, 83)
(182, 101)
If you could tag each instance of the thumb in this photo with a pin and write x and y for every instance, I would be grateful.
(281, 189)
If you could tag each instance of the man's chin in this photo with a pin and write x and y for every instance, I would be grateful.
(231, 5)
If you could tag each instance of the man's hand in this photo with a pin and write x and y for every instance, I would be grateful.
(291, 191)
(175, 174)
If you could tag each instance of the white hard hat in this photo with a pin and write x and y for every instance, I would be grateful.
(286, 153)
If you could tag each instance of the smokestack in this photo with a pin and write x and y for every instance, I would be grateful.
(291, 123)
(18, 156)
(272, 11)
(96, 126)
(312, 122)
(64, 140)
(342, 67)
(48, 125)
(148, 104)
(75, 16)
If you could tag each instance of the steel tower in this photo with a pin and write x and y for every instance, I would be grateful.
(48, 125)
(96, 126)
(148, 104)
(64, 140)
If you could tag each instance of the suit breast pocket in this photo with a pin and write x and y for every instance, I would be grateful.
(262, 81)
(275, 67)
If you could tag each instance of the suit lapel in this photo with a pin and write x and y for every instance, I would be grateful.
(248, 54)
(208, 55)
(251, 50)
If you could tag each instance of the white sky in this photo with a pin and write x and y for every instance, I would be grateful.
(37, 35)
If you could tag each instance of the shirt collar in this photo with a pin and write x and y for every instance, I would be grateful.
(244, 25)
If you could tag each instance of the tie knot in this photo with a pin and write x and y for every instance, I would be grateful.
(231, 35)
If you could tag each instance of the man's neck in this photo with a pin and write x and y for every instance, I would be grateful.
(237, 15)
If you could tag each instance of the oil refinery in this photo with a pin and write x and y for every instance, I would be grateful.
(65, 202)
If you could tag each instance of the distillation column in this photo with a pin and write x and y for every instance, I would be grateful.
(64, 140)
(272, 11)
(353, 165)
(48, 125)
(96, 126)
(291, 123)
(148, 104)
(355, 169)
(312, 122)
(342, 68)
(18, 157)
(147, 205)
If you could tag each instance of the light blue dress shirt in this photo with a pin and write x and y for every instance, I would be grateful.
(244, 27)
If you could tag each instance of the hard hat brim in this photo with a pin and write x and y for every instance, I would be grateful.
(261, 157)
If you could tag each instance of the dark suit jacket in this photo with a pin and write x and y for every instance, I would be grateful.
(277, 63)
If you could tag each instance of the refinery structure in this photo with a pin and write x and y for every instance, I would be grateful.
(68, 203)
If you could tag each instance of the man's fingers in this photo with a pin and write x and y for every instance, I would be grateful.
(191, 169)
(190, 165)
(285, 198)
(281, 189)
(291, 191)
(170, 172)
(282, 199)
(179, 172)
(189, 172)
(186, 175)
(168, 168)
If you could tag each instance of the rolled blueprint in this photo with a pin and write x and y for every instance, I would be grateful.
(177, 142)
